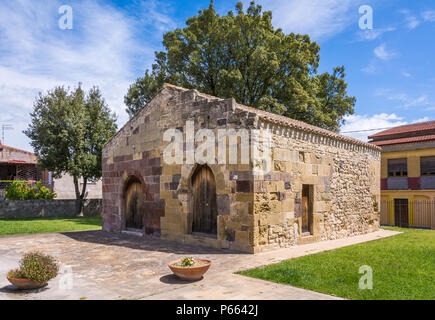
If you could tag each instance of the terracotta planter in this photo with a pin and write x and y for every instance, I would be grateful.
(25, 284)
(190, 273)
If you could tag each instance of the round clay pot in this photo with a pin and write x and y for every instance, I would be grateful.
(25, 284)
(190, 273)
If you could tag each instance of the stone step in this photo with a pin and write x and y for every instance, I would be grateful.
(136, 233)
(308, 239)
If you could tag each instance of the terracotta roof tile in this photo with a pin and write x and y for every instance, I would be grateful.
(409, 128)
(381, 143)
(286, 121)
(19, 162)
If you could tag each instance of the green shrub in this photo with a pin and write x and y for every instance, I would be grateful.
(16, 273)
(38, 191)
(16, 191)
(187, 262)
(36, 266)
(28, 190)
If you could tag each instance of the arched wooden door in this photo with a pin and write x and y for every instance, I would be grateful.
(204, 213)
(134, 205)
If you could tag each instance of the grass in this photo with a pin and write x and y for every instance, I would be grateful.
(44, 225)
(403, 269)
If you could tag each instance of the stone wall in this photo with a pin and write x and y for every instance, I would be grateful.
(137, 151)
(47, 208)
(92, 207)
(345, 182)
(64, 188)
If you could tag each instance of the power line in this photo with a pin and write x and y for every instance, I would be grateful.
(367, 130)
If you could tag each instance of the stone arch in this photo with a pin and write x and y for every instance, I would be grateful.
(133, 186)
(204, 211)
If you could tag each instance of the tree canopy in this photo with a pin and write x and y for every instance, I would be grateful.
(68, 130)
(241, 55)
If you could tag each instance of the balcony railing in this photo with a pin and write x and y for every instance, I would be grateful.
(408, 183)
(418, 213)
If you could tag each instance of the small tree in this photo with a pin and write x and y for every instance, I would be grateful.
(68, 130)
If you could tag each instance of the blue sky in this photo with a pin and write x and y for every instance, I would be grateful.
(390, 69)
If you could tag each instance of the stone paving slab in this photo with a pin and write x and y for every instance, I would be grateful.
(120, 266)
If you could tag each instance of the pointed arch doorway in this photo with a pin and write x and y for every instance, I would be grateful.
(204, 211)
(134, 205)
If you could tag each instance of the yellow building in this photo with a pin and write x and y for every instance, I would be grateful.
(408, 175)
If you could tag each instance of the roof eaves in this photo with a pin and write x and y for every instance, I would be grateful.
(289, 122)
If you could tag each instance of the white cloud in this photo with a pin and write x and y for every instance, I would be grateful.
(411, 21)
(370, 69)
(420, 101)
(424, 119)
(382, 53)
(318, 18)
(157, 14)
(405, 100)
(429, 15)
(406, 74)
(103, 49)
(369, 35)
(362, 126)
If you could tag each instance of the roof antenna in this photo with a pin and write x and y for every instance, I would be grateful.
(5, 127)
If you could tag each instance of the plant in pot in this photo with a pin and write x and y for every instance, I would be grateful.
(189, 268)
(36, 269)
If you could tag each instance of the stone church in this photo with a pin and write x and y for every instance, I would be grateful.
(317, 184)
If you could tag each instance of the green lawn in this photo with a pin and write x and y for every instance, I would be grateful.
(403, 268)
(43, 225)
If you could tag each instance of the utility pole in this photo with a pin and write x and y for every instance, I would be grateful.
(5, 127)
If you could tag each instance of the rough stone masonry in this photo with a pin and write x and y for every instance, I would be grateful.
(321, 185)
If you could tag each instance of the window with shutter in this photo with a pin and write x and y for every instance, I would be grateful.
(397, 168)
(427, 165)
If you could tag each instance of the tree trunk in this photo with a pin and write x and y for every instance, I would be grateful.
(79, 196)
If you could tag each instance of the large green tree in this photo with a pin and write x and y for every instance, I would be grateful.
(68, 130)
(241, 55)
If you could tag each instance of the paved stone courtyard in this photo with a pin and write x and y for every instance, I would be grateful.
(119, 266)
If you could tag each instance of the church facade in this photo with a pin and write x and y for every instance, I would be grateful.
(198, 169)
